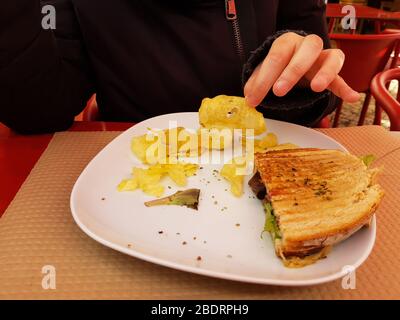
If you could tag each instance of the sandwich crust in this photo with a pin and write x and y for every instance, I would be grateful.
(319, 197)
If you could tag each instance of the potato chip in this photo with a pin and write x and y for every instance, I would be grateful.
(230, 112)
(139, 146)
(230, 171)
(189, 144)
(133, 184)
(262, 145)
(268, 143)
(190, 169)
(128, 185)
(156, 190)
(149, 180)
(178, 176)
(158, 146)
(217, 139)
(182, 170)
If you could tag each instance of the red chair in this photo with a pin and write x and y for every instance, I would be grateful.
(91, 112)
(366, 55)
(396, 53)
(393, 62)
(324, 123)
(383, 97)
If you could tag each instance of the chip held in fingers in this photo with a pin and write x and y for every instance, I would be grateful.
(231, 112)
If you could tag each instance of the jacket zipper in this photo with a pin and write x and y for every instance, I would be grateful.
(232, 17)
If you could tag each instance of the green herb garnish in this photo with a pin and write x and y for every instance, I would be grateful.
(188, 198)
(270, 222)
(368, 159)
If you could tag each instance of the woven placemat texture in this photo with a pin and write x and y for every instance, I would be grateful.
(38, 230)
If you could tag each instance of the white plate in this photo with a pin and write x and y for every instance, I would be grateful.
(122, 222)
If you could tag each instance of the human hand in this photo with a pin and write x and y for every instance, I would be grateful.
(297, 60)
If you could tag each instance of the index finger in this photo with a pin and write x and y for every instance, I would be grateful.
(265, 75)
(305, 57)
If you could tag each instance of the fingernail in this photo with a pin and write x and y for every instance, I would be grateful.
(281, 87)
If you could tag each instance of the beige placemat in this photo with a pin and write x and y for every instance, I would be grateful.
(38, 230)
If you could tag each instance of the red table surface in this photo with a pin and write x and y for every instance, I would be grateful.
(19, 154)
(334, 10)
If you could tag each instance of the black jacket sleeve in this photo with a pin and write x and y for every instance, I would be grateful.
(307, 15)
(44, 74)
(300, 105)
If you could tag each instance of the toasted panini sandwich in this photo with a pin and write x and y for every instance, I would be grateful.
(313, 199)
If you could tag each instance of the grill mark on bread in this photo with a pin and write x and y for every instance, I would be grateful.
(312, 188)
